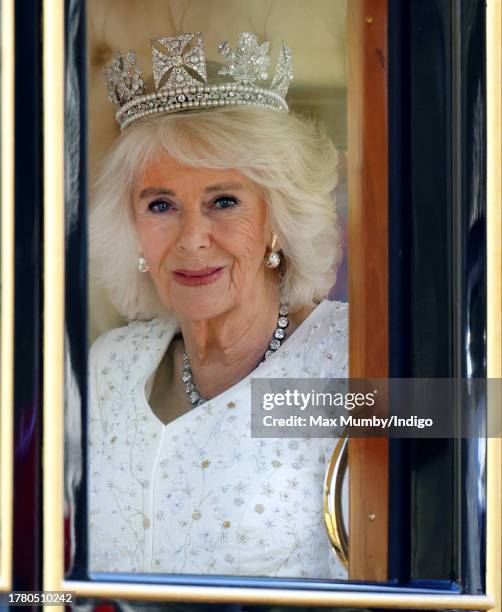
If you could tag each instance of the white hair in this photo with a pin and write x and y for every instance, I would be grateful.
(290, 158)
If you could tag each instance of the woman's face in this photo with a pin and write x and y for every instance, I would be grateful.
(203, 233)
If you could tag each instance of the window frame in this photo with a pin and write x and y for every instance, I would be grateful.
(58, 236)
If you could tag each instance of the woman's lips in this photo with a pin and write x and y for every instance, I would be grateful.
(196, 278)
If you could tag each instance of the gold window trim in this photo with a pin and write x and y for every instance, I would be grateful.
(494, 291)
(7, 293)
(53, 445)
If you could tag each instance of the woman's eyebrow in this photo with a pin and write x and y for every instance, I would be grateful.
(223, 187)
(149, 191)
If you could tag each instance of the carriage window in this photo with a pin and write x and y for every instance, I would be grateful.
(217, 249)
(211, 248)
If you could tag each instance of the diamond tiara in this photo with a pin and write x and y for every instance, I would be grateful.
(181, 82)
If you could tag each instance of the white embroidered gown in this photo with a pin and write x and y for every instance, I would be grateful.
(199, 495)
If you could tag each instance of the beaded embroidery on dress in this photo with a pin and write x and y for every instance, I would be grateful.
(199, 495)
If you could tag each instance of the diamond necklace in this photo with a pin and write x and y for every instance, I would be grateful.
(279, 334)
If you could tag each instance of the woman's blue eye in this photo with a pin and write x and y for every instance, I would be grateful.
(159, 206)
(226, 202)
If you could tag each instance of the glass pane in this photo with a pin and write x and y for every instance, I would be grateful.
(217, 254)
(178, 487)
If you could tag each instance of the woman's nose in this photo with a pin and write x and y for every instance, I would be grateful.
(194, 231)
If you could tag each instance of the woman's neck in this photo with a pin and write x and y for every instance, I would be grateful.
(225, 349)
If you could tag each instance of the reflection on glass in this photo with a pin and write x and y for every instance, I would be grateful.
(214, 235)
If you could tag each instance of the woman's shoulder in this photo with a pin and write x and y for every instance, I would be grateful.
(130, 339)
(333, 311)
(325, 340)
(329, 318)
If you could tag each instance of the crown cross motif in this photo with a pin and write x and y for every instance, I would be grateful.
(178, 61)
(181, 82)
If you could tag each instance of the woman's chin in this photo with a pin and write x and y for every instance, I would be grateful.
(201, 307)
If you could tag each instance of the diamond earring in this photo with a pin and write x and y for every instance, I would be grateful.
(273, 259)
(142, 265)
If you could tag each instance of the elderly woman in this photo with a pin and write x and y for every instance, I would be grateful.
(214, 232)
